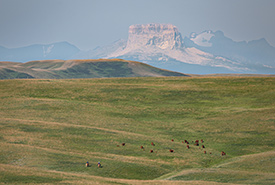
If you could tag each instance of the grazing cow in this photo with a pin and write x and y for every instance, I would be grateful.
(197, 141)
(202, 146)
(185, 141)
(204, 152)
(151, 151)
(152, 144)
(210, 153)
(172, 139)
(223, 153)
(171, 150)
(123, 144)
(187, 146)
(141, 147)
(196, 144)
(201, 140)
(87, 164)
(117, 145)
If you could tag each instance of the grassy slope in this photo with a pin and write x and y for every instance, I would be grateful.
(50, 128)
(60, 69)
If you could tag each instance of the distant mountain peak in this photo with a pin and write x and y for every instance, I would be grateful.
(202, 39)
(262, 41)
(219, 33)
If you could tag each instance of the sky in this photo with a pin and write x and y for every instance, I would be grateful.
(91, 23)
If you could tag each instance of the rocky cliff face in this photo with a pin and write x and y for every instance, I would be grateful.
(164, 36)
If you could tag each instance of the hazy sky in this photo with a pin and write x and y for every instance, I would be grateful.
(91, 23)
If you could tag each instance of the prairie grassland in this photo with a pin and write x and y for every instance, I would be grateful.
(49, 129)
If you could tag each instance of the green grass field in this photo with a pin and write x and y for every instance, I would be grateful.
(49, 129)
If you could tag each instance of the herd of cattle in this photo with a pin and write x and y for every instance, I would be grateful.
(196, 143)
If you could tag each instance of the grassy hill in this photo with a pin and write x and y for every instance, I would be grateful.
(51, 128)
(67, 69)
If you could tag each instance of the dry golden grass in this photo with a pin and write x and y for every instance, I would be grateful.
(50, 128)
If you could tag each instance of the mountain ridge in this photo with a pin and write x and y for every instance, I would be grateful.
(251, 52)
(162, 46)
(218, 54)
(58, 50)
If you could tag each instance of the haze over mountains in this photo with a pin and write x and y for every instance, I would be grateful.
(59, 50)
(162, 46)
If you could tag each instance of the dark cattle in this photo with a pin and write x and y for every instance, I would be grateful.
(152, 144)
(123, 144)
(172, 139)
(201, 140)
(223, 153)
(141, 147)
(151, 151)
(197, 141)
(117, 145)
(187, 146)
(204, 152)
(202, 146)
(185, 141)
(196, 144)
(171, 150)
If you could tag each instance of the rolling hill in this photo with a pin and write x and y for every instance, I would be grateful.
(50, 128)
(64, 69)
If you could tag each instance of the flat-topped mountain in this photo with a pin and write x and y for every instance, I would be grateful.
(61, 69)
(160, 35)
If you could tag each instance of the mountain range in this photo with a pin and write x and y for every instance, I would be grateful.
(162, 46)
(59, 50)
